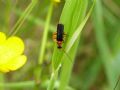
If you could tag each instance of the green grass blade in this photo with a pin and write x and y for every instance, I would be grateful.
(72, 19)
(78, 31)
(35, 20)
(54, 76)
(57, 55)
(23, 17)
(110, 62)
(71, 47)
(66, 20)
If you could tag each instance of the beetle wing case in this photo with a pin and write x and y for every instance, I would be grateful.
(60, 32)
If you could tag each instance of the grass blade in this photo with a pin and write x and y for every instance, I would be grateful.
(72, 22)
(23, 17)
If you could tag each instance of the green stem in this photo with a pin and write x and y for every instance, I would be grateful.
(1, 80)
(45, 34)
(27, 84)
(38, 69)
(7, 15)
(53, 79)
(35, 20)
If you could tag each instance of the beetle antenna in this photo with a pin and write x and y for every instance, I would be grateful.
(117, 83)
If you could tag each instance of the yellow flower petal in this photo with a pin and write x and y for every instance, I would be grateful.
(2, 38)
(16, 44)
(13, 47)
(2, 42)
(10, 53)
(57, 1)
(3, 69)
(16, 63)
(6, 55)
(3, 48)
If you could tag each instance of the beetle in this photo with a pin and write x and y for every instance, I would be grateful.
(59, 35)
(59, 38)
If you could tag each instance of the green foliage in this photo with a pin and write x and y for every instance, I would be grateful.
(73, 23)
(89, 58)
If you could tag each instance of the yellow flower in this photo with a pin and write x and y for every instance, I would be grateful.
(57, 1)
(11, 50)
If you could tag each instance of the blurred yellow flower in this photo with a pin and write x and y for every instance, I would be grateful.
(11, 50)
(57, 1)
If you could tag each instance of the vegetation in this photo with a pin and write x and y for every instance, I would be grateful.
(90, 54)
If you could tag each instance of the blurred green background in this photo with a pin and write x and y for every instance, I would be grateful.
(97, 60)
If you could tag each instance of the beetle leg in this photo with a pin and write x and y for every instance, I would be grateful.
(64, 36)
(55, 33)
(54, 37)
